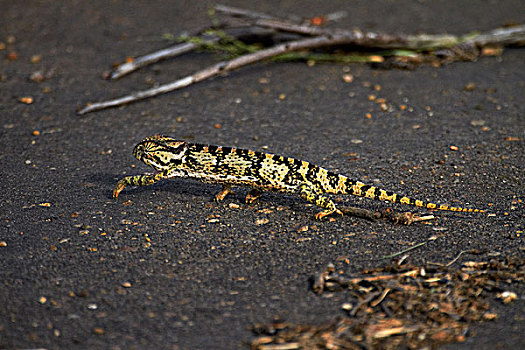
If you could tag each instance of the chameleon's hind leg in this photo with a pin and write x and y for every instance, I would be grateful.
(253, 195)
(138, 180)
(312, 195)
(226, 189)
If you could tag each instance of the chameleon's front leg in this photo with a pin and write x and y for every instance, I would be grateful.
(309, 193)
(137, 180)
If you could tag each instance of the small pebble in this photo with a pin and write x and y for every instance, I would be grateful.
(26, 99)
(348, 78)
(36, 58)
(98, 330)
(469, 87)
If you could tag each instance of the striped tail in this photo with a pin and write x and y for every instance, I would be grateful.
(357, 188)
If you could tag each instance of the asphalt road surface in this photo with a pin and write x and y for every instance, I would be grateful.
(167, 268)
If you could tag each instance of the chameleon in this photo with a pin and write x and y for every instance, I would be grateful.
(261, 171)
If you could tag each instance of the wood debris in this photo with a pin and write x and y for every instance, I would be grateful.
(401, 306)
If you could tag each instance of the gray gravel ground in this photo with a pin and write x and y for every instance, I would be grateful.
(173, 270)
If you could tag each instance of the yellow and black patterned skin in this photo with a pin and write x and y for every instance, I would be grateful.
(260, 171)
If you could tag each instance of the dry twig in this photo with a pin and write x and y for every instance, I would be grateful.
(172, 51)
(433, 238)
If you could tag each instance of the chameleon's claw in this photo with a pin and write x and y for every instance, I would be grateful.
(321, 215)
(120, 186)
(223, 193)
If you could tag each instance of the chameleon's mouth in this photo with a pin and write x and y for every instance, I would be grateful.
(152, 161)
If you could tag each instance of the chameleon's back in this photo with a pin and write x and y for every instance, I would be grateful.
(245, 167)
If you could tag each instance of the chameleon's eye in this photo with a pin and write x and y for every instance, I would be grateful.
(139, 151)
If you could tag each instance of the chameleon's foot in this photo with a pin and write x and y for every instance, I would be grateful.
(120, 186)
(252, 195)
(322, 214)
(223, 193)
(137, 180)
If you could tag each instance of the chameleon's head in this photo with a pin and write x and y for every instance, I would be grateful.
(161, 152)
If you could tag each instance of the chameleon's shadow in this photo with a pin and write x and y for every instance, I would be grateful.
(196, 189)
(106, 181)
(180, 186)
(208, 191)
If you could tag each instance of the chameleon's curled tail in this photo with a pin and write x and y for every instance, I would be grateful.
(357, 188)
